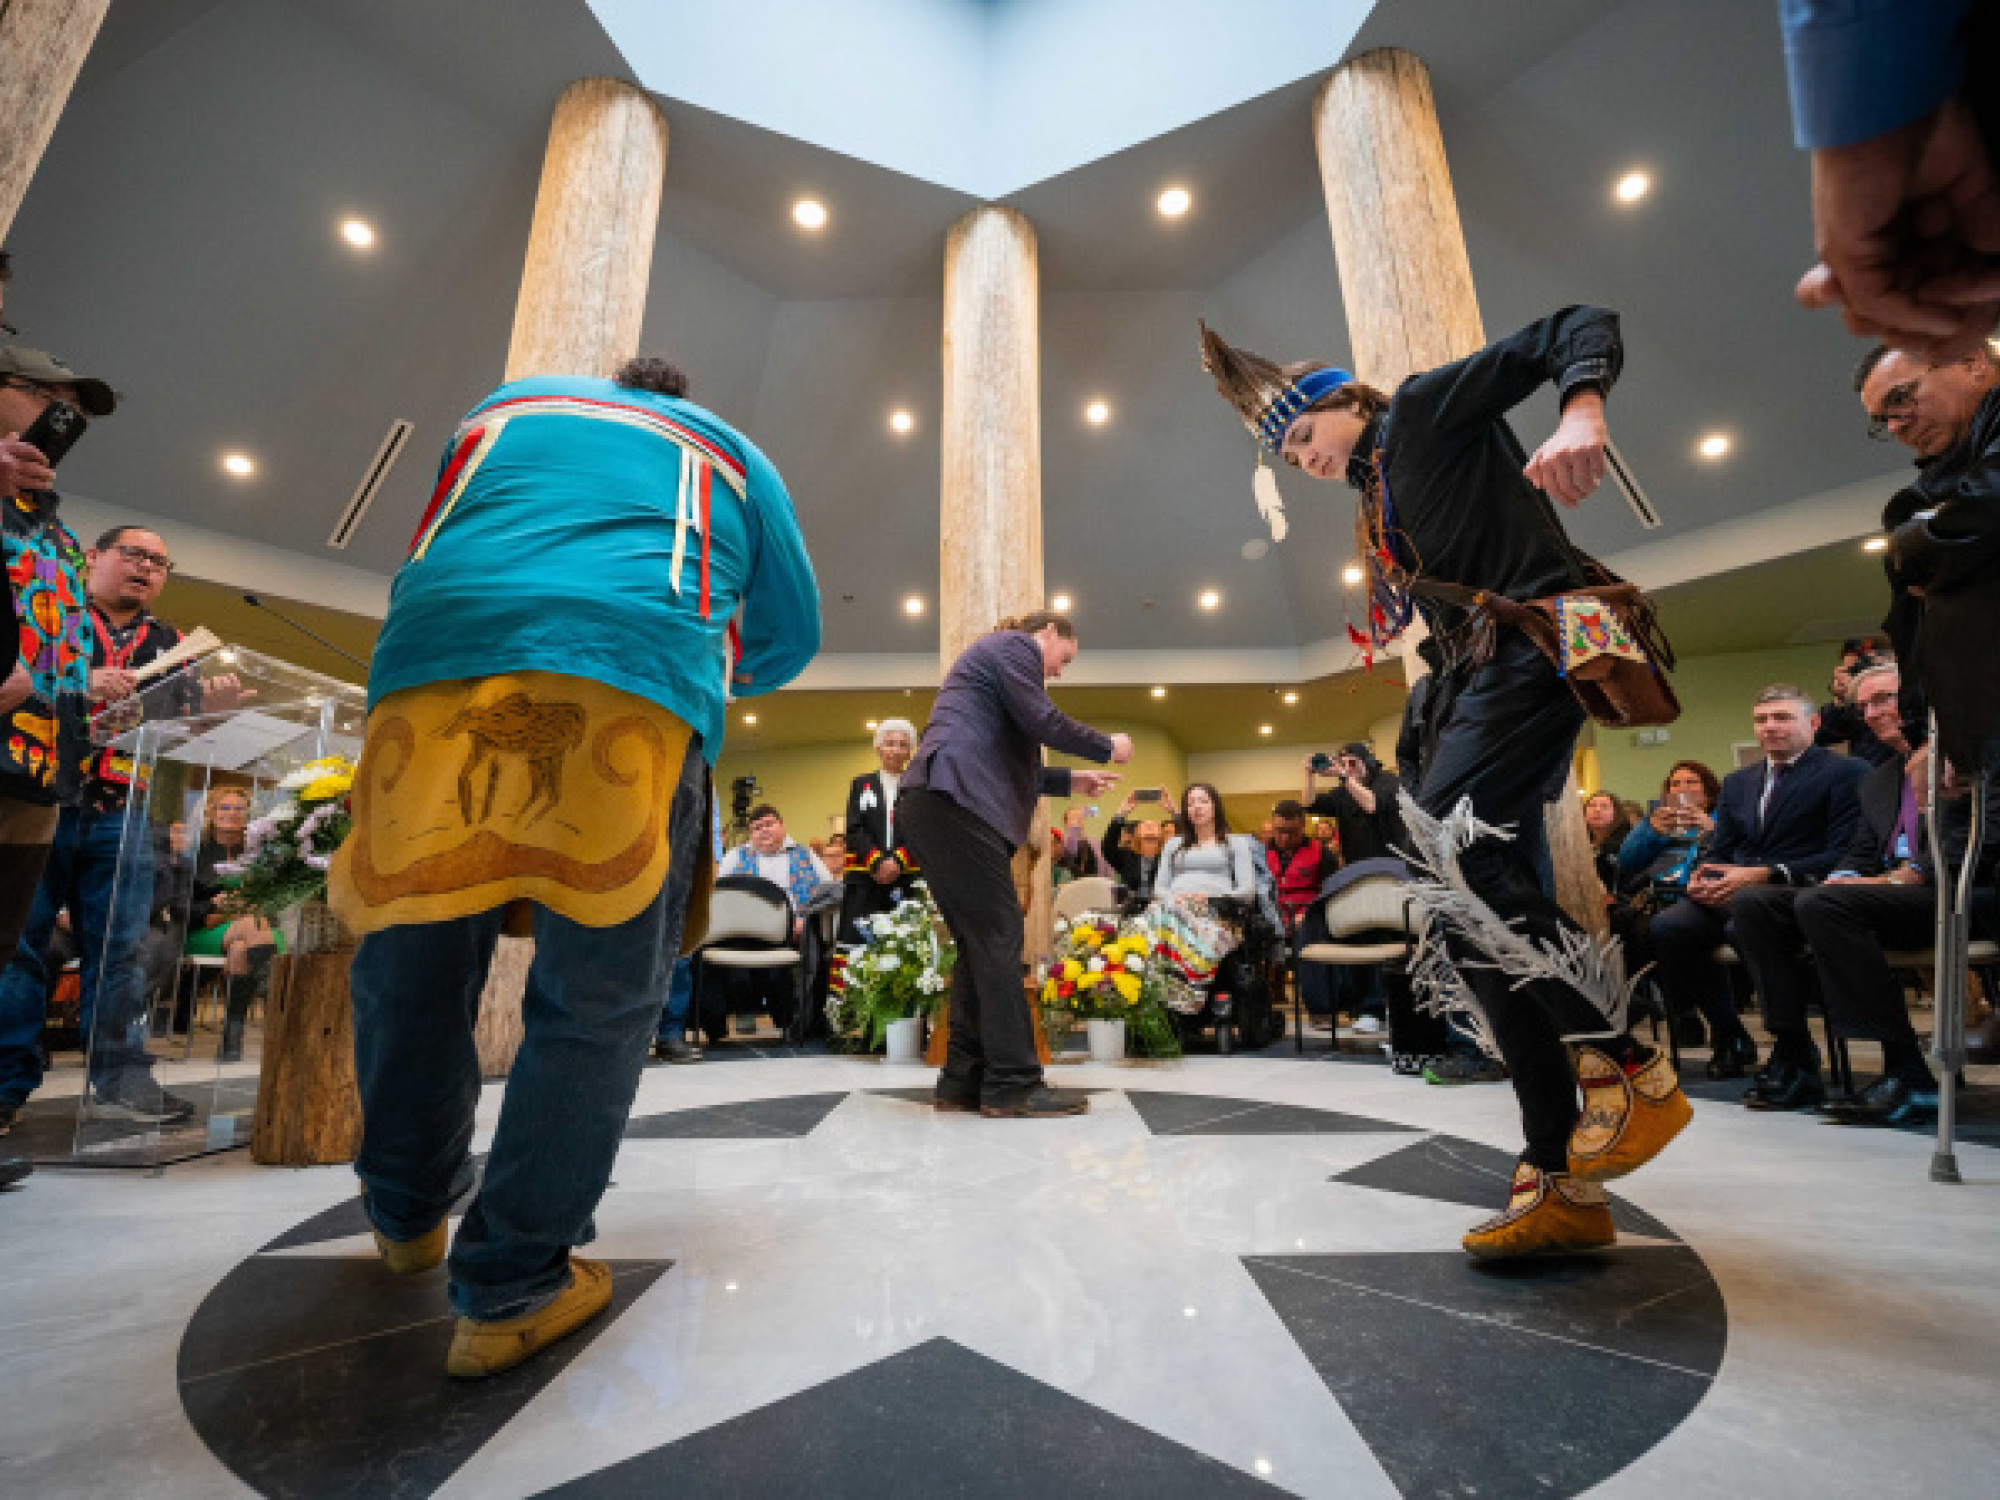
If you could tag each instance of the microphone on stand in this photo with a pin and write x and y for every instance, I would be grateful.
(255, 603)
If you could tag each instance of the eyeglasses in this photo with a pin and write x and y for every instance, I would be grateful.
(140, 557)
(1880, 700)
(1901, 402)
(33, 387)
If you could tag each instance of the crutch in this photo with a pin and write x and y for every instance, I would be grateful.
(1954, 922)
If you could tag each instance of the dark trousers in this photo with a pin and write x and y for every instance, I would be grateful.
(1848, 927)
(1685, 937)
(1504, 739)
(969, 868)
(1764, 928)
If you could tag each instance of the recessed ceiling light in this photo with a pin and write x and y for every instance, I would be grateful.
(914, 605)
(901, 421)
(1174, 202)
(1876, 544)
(1263, 1467)
(809, 213)
(1632, 187)
(1189, 1312)
(1097, 413)
(1159, 692)
(874, 724)
(1351, 575)
(1715, 445)
(1264, 729)
(1290, 699)
(357, 232)
(749, 718)
(1062, 604)
(1210, 599)
(242, 465)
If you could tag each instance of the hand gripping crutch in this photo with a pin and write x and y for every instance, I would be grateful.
(1954, 922)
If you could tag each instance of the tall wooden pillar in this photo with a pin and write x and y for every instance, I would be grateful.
(583, 290)
(990, 502)
(1407, 283)
(42, 46)
(582, 302)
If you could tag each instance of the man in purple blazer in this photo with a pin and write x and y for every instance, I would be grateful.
(967, 803)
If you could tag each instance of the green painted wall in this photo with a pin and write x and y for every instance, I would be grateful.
(1715, 694)
(808, 783)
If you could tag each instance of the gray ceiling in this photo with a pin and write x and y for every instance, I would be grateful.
(179, 241)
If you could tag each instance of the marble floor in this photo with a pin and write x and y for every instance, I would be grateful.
(1233, 1276)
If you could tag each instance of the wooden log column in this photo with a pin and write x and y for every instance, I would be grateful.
(990, 498)
(583, 289)
(42, 47)
(582, 303)
(1406, 282)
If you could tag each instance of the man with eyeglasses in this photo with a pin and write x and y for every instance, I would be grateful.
(108, 904)
(1928, 408)
(1880, 897)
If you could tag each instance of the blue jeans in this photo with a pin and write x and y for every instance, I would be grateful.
(108, 914)
(680, 998)
(592, 1000)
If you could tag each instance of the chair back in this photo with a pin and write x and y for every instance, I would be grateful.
(1378, 904)
(748, 912)
(1091, 893)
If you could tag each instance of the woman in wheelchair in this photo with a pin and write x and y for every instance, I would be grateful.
(1212, 874)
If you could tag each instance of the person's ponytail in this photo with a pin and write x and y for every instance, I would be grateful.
(1037, 621)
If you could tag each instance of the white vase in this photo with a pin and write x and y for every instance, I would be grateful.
(1107, 1040)
(906, 1040)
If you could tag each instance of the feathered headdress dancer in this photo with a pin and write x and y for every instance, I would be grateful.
(1267, 399)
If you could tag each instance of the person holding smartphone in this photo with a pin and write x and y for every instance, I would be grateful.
(1133, 843)
(44, 703)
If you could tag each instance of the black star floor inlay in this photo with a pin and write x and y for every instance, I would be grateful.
(1534, 1379)
(796, 1115)
(324, 1376)
(1452, 1170)
(934, 1420)
(1207, 1114)
(311, 1372)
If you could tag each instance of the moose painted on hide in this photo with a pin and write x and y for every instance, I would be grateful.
(540, 734)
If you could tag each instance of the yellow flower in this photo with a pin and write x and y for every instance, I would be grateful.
(326, 788)
(1128, 986)
(1090, 937)
(1071, 968)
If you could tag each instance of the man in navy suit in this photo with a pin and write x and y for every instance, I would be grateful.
(968, 802)
(1784, 821)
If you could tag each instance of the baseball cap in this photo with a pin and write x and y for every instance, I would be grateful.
(23, 363)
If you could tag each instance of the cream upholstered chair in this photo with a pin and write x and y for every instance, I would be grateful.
(1091, 893)
(1376, 904)
(749, 927)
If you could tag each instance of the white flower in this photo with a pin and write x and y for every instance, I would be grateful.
(1135, 964)
(1097, 963)
(888, 963)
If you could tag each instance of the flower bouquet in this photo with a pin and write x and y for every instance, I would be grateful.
(1104, 970)
(900, 970)
(286, 851)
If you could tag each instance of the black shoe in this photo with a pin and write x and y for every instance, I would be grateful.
(1450, 1071)
(677, 1050)
(134, 1096)
(1796, 1088)
(951, 1102)
(1886, 1101)
(12, 1171)
(1689, 1030)
(1038, 1103)
(9, 1113)
(1733, 1057)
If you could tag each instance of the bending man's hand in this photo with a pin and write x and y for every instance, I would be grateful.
(1907, 226)
(1121, 750)
(1090, 783)
(1571, 463)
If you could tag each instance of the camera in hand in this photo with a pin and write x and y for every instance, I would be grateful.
(56, 430)
(742, 797)
(1148, 794)
(1321, 763)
